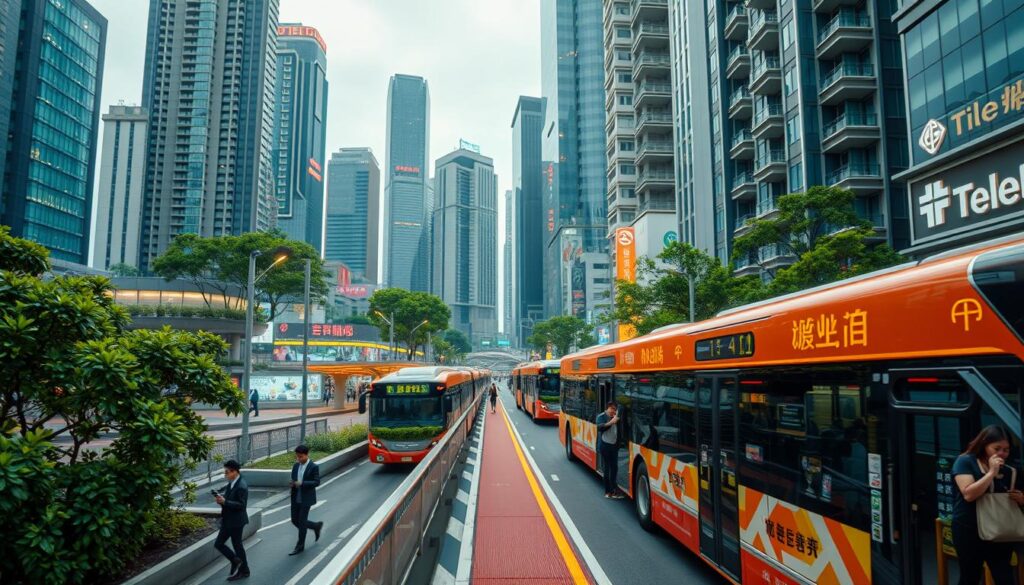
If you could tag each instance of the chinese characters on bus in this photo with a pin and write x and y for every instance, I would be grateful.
(792, 539)
(408, 389)
(827, 331)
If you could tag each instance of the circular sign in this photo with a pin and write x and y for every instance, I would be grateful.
(625, 237)
(670, 237)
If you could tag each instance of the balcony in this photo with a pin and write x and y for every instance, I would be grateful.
(768, 122)
(655, 179)
(862, 179)
(770, 166)
(647, 64)
(743, 187)
(740, 105)
(853, 81)
(649, 34)
(742, 146)
(740, 226)
(774, 255)
(764, 30)
(654, 121)
(829, 6)
(746, 267)
(651, 151)
(736, 23)
(766, 77)
(846, 33)
(738, 64)
(657, 205)
(649, 10)
(649, 93)
(760, 4)
(850, 131)
(767, 208)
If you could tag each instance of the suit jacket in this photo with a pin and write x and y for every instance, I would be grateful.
(310, 480)
(233, 513)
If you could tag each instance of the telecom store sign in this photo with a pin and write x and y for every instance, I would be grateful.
(973, 194)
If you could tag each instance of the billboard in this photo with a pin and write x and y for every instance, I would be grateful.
(625, 268)
(286, 386)
(326, 332)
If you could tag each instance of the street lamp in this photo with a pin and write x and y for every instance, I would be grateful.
(391, 330)
(250, 298)
(414, 331)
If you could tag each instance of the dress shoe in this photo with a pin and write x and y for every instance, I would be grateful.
(296, 551)
(239, 576)
(235, 565)
(316, 531)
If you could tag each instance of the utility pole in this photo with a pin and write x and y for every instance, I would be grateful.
(243, 441)
(305, 355)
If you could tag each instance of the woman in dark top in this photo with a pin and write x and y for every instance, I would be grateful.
(979, 467)
(493, 396)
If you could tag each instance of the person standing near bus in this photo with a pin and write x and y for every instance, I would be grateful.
(494, 397)
(608, 447)
(975, 471)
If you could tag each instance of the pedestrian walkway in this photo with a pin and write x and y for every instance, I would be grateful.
(517, 536)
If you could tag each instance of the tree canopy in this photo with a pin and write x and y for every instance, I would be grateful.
(213, 264)
(410, 310)
(565, 333)
(72, 371)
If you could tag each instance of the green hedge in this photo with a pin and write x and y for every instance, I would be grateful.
(284, 460)
(186, 312)
(550, 399)
(170, 525)
(334, 441)
(405, 433)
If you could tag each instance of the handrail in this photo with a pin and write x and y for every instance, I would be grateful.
(385, 547)
(851, 69)
(849, 120)
(843, 19)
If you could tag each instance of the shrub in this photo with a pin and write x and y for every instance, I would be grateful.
(405, 433)
(334, 441)
(171, 525)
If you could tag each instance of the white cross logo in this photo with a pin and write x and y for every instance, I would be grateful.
(934, 202)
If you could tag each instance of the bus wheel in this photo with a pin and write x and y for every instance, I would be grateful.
(568, 445)
(642, 498)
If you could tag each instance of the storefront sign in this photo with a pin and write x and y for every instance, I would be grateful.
(997, 108)
(973, 194)
(321, 332)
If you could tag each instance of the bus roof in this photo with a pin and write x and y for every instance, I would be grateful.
(536, 366)
(431, 374)
(915, 309)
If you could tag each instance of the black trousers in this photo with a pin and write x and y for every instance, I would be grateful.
(609, 465)
(235, 535)
(255, 405)
(972, 552)
(300, 519)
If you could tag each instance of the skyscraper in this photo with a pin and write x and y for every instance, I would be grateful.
(353, 211)
(211, 69)
(528, 185)
(300, 130)
(465, 243)
(576, 262)
(508, 254)
(54, 110)
(10, 15)
(406, 197)
(119, 198)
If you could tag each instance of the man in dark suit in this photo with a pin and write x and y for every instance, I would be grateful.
(254, 401)
(305, 478)
(233, 517)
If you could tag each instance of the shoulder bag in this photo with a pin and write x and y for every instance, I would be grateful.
(1000, 519)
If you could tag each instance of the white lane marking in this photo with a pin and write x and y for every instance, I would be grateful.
(277, 509)
(533, 448)
(554, 477)
(465, 568)
(275, 524)
(455, 528)
(285, 521)
(600, 577)
(316, 560)
(363, 463)
(221, 564)
(462, 497)
(318, 504)
(334, 479)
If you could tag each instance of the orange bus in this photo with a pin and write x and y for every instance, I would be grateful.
(537, 389)
(809, 438)
(411, 409)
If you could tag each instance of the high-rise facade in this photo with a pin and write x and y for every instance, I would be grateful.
(209, 86)
(576, 262)
(508, 256)
(465, 240)
(528, 185)
(300, 131)
(801, 96)
(353, 211)
(407, 206)
(51, 114)
(119, 196)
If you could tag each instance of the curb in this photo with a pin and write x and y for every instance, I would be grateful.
(330, 464)
(182, 564)
(223, 426)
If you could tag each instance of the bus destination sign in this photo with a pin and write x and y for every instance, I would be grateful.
(726, 347)
(406, 389)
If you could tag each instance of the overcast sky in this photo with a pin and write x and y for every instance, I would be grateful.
(478, 57)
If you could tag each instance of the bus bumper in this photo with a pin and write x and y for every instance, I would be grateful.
(378, 455)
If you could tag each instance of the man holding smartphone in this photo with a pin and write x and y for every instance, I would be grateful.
(305, 479)
(233, 518)
(608, 448)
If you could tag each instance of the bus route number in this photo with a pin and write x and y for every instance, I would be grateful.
(737, 345)
(408, 389)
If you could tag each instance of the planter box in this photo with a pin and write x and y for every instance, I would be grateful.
(330, 464)
(184, 564)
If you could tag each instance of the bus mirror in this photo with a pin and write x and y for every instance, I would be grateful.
(362, 403)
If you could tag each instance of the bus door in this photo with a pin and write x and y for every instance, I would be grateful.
(605, 391)
(719, 485)
(937, 411)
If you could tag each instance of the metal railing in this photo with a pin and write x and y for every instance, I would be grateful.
(652, 28)
(741, 137)
(261, 443)
(844, 19)
(741, 221)
(849, 120)
(652, 117)
(761, 18)
(847, 70)
(851, 171)
(770, 157)
(737, 52)
(385, 547)
(765, 112)
(743, 178)
(765, 66)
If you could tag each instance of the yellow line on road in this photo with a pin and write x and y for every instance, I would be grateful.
(568, 555)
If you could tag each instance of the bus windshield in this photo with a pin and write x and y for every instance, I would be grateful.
(407, 411)
(549, 385)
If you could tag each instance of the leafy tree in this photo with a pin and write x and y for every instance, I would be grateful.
(564, 333)
(218, 263)
(445, 352)
(409, 309)
(71, 513)
(661, 294)
(122, 269)
(458, 341)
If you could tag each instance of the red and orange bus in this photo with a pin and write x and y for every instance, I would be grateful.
(809, 438)
(411, 409)
(537, 391)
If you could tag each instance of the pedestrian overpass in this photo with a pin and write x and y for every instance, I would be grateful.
(498, 361)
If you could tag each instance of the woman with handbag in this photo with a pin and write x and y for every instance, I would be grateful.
(981, 472)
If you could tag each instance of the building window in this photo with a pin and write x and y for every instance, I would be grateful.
(796, 177)
(622, 32)
(625, 100)
(627, 169)
(626, 145)
(625, 77)
(793, 129)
